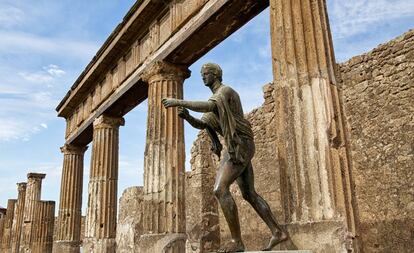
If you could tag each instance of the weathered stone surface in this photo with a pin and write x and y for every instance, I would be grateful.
(18, 217)
(129, 228)
(2, 221)
(164, 173)
(8, 224)
(378, 95)
(202, 221)
(43, 225)
(33, 194)
(68, 227)
(100, 230)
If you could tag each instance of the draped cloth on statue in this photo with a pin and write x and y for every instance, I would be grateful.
(228, 120)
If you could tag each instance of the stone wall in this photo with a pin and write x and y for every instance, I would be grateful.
(378, 98)
(129, 227)
(202, 218)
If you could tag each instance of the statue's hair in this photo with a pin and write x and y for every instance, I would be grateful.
(215, 69)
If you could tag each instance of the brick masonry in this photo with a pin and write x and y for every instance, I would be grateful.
(378, 98)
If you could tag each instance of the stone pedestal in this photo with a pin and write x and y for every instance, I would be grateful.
(164, 173)
(313, 157)
(43, 224)
(100, 229)
(18, 218)
(69, 216)
(8, 224)
(33, 194)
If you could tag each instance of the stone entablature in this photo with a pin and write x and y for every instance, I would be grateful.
(152, 31)
(149, 38)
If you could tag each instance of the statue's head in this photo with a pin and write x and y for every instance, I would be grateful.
(211, 72)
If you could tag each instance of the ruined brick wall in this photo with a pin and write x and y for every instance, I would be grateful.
(129, 226)
(267, 179)
(378, 98)
(202, 219)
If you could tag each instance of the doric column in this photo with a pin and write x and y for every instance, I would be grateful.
(2, 221)
(43, 224)
(164, 173)
(316, 183)
(33, 193)
(18, 218)
(69, 216)
(100, 230)
(8, 224)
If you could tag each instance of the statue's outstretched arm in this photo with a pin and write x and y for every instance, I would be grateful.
(197, 106)
(194, 122)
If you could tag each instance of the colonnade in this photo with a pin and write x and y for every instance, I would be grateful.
(311, 147)
(164, 174)
(29, 222)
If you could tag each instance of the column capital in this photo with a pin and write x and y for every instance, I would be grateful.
(105, 121)
(35, 175)
(21, 186)
(161, 70)
(69, 149)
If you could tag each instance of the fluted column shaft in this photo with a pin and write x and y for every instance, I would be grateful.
(164, 173)
(8, 223)
(100, 230)
(2, 221)
(18, 218)
(69, 216)
(312, 149)
(43, 224)
(33, 194)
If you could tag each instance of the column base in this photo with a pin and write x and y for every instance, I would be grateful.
(163, 243)
(318, 236)
(93, 245)
(66, 247)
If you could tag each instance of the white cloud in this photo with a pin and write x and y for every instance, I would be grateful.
(48, 74)
(14, 42)
(25, 114)
(10, 16)
(14, 129)
(358, 16)
(54, 70)
(38, 77)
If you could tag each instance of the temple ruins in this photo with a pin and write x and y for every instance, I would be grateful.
(336, 170)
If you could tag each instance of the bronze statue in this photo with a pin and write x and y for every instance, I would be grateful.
(223, 114)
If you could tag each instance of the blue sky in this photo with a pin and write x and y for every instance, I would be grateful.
(45, 45)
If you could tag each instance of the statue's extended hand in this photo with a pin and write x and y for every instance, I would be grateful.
(169, 102)
(182, 112)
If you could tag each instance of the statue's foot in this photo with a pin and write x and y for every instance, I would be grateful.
(276, 239)
(232, 246)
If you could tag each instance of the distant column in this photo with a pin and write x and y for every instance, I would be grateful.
(164, 173)
(7, 230)
(69, 216)
(18, 218)
(2, 221)
(43, 224)
(100, 229)
(33, 193)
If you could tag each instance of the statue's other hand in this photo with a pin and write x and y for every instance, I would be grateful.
(182, 112)
(169, 102)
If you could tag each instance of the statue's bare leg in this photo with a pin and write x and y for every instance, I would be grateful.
(246, 184)
(226, 175)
